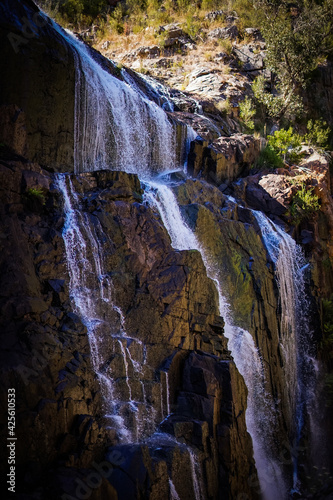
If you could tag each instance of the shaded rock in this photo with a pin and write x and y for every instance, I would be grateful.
(31, 46)
(171, 309)
(151, 52)
(254, 33)
(13, 128)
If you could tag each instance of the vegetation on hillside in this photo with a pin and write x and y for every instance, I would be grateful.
(136, 15)
(298, 36)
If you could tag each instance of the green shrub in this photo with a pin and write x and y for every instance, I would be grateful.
(193, 26)
(76, 11)
(36, 194)
(286, 144)
(210, 4)
(247, 112)
(317, 135)
(116, 20)
(268, 158)
(304, 205)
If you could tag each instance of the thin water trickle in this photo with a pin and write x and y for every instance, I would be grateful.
(296, 338)
(173, 492)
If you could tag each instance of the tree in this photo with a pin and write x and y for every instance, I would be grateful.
(297, 35)
(285, 143)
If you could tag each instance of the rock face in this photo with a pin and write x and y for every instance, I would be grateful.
(170, 307)
(230, 236)
(37, 90)
(224, 159)
(38, 78)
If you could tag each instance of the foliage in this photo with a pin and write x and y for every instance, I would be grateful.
(226, 45)
(286, 144)
(305, 204)
(193, 26)
(224, 107)
(297, 35)
(116, 20)
(269, 159)
(36, 194)
(210, 4)
(283, 103)
(76, 11)
(317, 134)
(247, 112)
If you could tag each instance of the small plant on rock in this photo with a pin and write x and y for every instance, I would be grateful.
(36, 195)
(269, 159)
(224, 107)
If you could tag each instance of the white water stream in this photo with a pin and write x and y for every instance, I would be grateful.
(260, 417)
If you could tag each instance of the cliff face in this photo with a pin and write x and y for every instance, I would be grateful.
(160, 358)
(170, 307)
(38, 77)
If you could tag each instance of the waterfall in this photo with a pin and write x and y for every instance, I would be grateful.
(173, 492)
(260, 414)
(116, 128)
(91, 295)
(295, 336)
(196, 476)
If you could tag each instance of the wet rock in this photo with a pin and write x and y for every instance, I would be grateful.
(171, 309)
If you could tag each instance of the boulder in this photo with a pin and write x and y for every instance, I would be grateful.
(225, 159)
(251, 56)
(230, 32)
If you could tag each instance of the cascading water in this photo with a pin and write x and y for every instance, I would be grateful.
(260, 414)
(295, 336)
(115, 127)
(91, 295)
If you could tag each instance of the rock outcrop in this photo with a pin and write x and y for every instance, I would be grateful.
(225, 159)
(38, 82)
